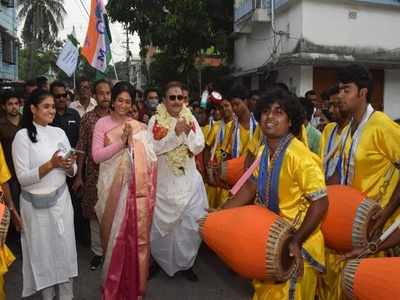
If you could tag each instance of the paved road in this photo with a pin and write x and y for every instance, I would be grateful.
(216, 281)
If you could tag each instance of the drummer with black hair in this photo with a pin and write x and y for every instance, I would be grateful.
(214, 153)
(289, 182)
(244, 129)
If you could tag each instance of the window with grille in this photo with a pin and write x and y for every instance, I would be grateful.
(8, 3)
(8, 46)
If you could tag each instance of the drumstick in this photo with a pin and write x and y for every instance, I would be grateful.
(239, 184)
(389, 231)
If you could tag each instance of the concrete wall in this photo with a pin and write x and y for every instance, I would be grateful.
(299, 79)
(325, 22)
(392, 93)
(253, 50)
(351, 23)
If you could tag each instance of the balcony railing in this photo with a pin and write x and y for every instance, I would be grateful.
(245, 7)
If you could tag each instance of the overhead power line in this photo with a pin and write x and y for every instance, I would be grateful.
(84, 7)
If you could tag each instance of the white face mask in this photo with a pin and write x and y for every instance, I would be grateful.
(152, 103)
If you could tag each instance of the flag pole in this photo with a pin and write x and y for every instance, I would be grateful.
(115, 69)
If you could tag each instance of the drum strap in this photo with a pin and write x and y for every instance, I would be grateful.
(330, 160)
(347, 168)
(293, 280)
(268, 179)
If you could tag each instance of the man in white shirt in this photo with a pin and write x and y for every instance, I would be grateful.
(181, 198)
(84, 102)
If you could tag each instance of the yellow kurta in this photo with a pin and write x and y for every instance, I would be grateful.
(6, 256)
(247, 143)
(218, 196)
(330, 284)
(5, 174)
(326, 133)
(244, 140)
(211, 190)
(378, 151)
(256, 141)
(300, 178)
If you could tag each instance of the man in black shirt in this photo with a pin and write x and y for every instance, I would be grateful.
(10, 123)
(66, 118)
(69, 120)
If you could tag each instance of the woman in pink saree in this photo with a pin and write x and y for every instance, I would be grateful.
(126, 193)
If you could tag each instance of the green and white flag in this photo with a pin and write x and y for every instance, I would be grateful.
(69, 56)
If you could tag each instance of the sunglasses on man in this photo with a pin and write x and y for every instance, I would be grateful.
(175, 97)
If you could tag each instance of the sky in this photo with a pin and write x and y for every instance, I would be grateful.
(76, 16)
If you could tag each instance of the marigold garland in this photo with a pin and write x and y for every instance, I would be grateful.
(177, 157)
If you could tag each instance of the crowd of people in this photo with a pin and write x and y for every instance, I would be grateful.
(140, 170)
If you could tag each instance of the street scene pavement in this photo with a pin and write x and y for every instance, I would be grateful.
(216, 281)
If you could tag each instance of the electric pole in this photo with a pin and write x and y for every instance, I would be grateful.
(128, 56)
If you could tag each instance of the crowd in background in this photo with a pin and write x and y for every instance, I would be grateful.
(229, 129)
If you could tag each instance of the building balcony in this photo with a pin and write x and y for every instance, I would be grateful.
(245, 8)
(247, 12)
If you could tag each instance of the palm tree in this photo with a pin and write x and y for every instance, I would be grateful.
(42, 21)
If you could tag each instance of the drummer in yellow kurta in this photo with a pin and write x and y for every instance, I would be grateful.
(215, 143)
(6, 256)
(330, 284)
(289, 181)
(242, 132)
(371, 157)
(214, 120)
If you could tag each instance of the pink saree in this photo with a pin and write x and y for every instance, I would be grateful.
(126, 195)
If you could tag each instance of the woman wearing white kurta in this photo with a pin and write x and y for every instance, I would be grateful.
(181, 198)
(48, 239)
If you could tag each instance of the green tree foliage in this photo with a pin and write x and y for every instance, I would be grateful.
(181, 29)
(42, 60)
(42, 21)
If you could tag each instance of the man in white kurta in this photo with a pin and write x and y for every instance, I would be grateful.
(181, 200)
(48, 239)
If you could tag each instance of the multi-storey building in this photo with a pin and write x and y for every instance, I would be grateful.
(8, 40)
(303, 42)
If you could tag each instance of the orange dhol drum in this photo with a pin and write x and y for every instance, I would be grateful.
(251, 240)
(346, 224)
(233, 169)
(372, 278)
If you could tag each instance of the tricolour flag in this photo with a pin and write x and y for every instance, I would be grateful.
(97, 49)
(69, 56)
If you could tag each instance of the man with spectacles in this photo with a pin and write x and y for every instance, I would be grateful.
(84, 102)
(66, 118)
(181, 197)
